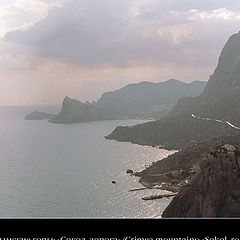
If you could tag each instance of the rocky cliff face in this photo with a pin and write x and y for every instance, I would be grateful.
(219, 100)
(74, 111)
(214, 191)
(226, 77)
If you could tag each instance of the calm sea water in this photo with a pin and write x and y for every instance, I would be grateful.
(49, 170)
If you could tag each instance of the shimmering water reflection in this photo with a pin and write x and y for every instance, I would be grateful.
(49, 170)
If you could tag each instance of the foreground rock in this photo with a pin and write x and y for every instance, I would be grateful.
(36, 115)
(220, 100)
(175, 171)
(214, 191)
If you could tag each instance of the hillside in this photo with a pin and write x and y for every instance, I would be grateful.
(219, 100)
(180, 166)
(148, 99)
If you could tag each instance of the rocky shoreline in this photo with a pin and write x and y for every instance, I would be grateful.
(175, 171)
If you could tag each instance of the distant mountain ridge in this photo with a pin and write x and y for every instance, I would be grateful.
(140, 100)
(145, 98)
(219, 100)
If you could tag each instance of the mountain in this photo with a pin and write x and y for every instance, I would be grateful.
(36, 115)
(74, 111)
(214, 190)
(219, 100)
(141, 100)
(148, 99)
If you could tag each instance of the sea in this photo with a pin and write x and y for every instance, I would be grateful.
(66, 170)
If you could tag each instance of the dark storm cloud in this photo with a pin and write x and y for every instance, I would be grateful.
(116, 32)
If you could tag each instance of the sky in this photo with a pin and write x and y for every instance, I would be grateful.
(77, 48)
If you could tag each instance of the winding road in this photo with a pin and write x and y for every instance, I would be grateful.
(216, 120)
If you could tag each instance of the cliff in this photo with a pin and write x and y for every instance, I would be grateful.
(74, 111)
(214, 191)
(219, 100)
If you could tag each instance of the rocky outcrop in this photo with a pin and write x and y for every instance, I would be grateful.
(36, 115)
(220, 100)
(177, 169)
(74, 111)
(214, 191)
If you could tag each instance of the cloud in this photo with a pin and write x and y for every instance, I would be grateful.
(117, 33)
(221, 13)
(72, 45)
(85, 37)
(22, 14)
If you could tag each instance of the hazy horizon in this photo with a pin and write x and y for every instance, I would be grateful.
(58, 104)
(56, 48)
